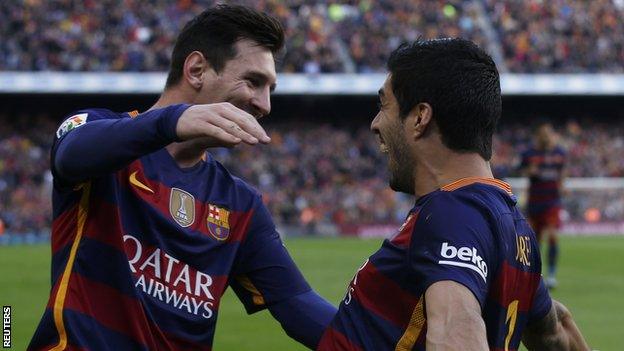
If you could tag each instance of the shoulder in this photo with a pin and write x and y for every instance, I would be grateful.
(464, 204)
(466, 214)
(81, 117)
(96, 113)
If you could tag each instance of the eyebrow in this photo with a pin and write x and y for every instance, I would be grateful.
(263, 78)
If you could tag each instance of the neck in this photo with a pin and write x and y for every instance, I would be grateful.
(440, 171)
(172, 96)
(187, 153)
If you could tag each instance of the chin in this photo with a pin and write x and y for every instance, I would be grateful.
(401, 186)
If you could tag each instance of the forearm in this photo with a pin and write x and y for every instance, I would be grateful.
(459, 333)
(557, 332)
(304, 317)
(454, 319)
(106, 145)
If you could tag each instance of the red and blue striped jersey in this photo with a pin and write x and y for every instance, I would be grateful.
(142, 256)
(544, 185)
(470, 232)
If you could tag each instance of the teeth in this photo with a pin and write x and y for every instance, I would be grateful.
(383, 148)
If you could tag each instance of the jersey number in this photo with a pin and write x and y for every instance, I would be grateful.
(512, 315)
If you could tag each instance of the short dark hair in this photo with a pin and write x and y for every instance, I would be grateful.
(215, 31)
(460, 82)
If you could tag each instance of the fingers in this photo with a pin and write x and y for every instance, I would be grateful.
(218, 133)
(248, 123)
(226, 124)
(230, 127)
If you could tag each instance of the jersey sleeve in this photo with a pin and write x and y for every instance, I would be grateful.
(95, 142)
(541, 305)
(265, 273)
(452, 241)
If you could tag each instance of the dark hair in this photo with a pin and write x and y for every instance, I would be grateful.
(460, 82)
(215, 31)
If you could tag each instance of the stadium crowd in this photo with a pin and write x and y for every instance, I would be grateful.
(25, 179)
(350, 36)
(560, 36)
(311, 185)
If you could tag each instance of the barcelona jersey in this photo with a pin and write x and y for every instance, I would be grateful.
(470, 232)
(544, 185)
(142, 256)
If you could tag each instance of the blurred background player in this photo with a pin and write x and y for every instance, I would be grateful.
(544, 165)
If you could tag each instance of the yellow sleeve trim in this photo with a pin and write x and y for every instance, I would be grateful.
(415, 326)
(248, 285)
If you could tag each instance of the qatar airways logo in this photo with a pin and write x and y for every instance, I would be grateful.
(466, 257)
(169, 280)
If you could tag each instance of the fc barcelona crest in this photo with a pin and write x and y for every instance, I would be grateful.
(218, 222)
(182, 207)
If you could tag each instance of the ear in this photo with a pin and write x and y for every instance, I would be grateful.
(420, 118)
(194, 67)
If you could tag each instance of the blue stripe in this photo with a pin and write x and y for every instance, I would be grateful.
(104, 264)
(46, 334)
(84, 331)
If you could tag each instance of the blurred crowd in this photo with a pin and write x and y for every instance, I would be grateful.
(322, 36)
(317, 178)
(563, 36)
(25, 179)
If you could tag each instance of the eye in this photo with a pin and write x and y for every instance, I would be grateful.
(254, 82)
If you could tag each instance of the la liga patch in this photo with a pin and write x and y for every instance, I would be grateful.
(71, 123)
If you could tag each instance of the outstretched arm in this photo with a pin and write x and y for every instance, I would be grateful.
(265, 276)
(104, 144)
(304, 317)
(556, 331)
(454, 319)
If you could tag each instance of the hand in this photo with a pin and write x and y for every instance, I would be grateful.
(220, 124)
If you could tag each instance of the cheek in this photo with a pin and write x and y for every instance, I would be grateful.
(241, 92)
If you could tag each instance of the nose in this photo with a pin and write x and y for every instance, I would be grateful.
(374, 124)
(261, 102)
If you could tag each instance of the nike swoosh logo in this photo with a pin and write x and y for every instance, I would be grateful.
(134, 181)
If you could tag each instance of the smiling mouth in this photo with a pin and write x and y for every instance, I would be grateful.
(383, 148)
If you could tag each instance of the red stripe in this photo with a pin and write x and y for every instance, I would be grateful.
(64, 229)
(122, 314)
(405, 233)
(537, 198)
(238, 220)
(514, 284)
(383, 296)
(53, 292)
(335, 340)
(104, 215)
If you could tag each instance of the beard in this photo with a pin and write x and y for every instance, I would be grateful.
(401, 164)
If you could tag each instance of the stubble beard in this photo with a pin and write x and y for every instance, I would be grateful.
(401, 165)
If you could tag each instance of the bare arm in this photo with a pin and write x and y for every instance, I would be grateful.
(556, 331)
(454, 319)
